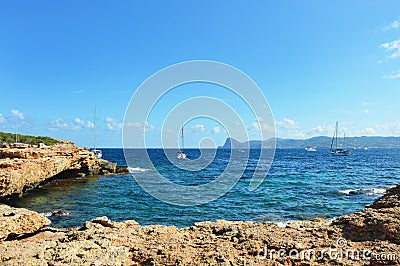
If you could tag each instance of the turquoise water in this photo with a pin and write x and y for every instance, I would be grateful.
(300, 185)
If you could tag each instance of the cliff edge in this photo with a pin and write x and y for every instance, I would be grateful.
(22, 169)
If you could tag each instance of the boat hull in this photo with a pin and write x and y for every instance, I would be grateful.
(340, 152)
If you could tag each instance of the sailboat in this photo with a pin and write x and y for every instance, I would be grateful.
(97, 153)
(335, 150)
(181, 153)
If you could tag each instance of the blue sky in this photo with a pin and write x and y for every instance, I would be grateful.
(315, 61)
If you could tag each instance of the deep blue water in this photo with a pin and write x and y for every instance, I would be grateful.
(300, 185)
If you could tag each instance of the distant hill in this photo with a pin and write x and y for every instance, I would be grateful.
(321, 142)
(34, 140)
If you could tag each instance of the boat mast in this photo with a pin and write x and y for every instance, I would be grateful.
(94, 126)
(344, 140)
(336, 133)
(183, 141)
(333, 138)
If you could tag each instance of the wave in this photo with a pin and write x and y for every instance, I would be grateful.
(137, 170)
(55, 213)
(281, 224)
(364, 191)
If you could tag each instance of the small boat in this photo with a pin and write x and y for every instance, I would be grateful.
(335, 150)
(313, 148)
(181, 153)
(97, 153)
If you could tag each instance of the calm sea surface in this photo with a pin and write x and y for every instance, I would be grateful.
(300, 185)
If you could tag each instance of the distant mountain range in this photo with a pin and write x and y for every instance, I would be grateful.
(320, 142)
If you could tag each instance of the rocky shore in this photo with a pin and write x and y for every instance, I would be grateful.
(370, 237)
(22, 169)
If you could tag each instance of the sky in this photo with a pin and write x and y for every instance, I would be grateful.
(316, 62)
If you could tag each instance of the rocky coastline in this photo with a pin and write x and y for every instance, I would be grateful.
(370, 237)
(24, 168)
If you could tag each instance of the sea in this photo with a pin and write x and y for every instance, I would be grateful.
(300, 185)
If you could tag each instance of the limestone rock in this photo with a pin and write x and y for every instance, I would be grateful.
(104, 242)
(24, 169)
(379, 221)
(16, 222)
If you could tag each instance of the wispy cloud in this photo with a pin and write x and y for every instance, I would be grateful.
(394, 75)
(17, 114)
(198, 128)
(2, 119)
(287, 123)
(366, 111)
(66, 125)
(370, 131)
(393, 47)
(113, 124)
(216, 130)
(393, 25)
(148, 126)
(78, 91)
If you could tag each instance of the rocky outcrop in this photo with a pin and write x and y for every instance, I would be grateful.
(370, 237)
(379, 221)
(17, 222)
(24, 169)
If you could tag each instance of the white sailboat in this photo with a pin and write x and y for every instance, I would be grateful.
(181, 153)
(335, 150)
(97, 153)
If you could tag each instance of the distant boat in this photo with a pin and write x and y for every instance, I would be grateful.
(313, 148)
(181, 152)
(335, 150)
(97, 153)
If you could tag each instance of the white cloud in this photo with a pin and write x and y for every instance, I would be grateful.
(79, 91)
(365, 111)
(295, 133)
(61, 124)
(388, 129)
(113, 124)
(394, 75)
(133, 124)
(216, 130)
(2, 119)
(287, 123)
(198, 128)
(79, 121)
(17, 114)
(394, 25)
(370, 131)
(65, 125)
(393, 46)
(255, 127)
(263, 128)
(148, 126)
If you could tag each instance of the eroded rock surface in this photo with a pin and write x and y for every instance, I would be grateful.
(18, 222)
(370, 237)
(24, 169)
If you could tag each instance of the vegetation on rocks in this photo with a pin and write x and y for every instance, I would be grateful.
(34, 140)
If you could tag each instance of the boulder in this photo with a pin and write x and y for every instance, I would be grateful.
(18, 222)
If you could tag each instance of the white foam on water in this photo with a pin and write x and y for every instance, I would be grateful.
(137, 170)
(365, 191)
(281, 224)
